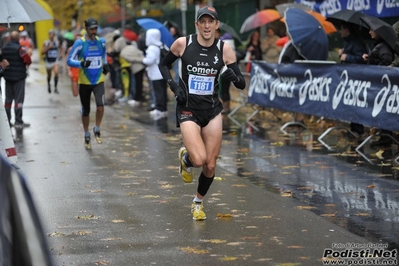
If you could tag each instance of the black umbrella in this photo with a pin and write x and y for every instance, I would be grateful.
(224, 27)
(383, 29)
(350, 17)
(170, 23)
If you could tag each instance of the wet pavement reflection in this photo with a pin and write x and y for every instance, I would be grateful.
(359, 192)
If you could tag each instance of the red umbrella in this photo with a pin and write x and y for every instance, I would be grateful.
(282, 41)
(260, 18)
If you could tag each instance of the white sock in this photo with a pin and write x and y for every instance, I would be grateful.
(197, 199)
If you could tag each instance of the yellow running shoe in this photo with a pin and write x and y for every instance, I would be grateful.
(97, 136)
(187, 173)
(87, 142)
(197, 209)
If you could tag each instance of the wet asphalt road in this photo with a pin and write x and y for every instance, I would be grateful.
(276, 199)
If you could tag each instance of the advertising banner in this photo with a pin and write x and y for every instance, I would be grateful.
(363, 94)
(377, 8)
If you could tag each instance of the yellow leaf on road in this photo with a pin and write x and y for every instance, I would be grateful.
(228, 258)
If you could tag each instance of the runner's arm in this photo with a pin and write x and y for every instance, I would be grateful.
(72, 59)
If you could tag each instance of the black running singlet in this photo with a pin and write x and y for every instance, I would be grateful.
(200, 72)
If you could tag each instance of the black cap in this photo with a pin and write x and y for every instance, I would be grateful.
(207, 10)
(91, 23)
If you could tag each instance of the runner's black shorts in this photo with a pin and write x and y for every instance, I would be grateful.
(85, 95)
(200, 116)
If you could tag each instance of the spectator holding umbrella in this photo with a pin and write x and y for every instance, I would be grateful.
(382, 54)
(352, 53)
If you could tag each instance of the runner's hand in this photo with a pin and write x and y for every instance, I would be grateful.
(85, 63)
(229, 75)
(105, 69)
(180, 94)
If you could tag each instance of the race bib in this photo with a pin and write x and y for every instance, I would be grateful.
(200, 85)
(95, 62)
(52, 54)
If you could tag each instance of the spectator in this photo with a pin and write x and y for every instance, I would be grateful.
(253, 49)
(381, 55)
(270, 49)
(352, 53)
(157, 83)
(15, 76)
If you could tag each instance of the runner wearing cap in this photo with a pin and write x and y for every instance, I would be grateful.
(198, 108)
(89, 55)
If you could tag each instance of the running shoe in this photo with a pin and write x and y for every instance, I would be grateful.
(97, 136)
(56, 90)
(87, 142)
(185, 172)
(197, 209)
(21, 125)
(134, 103)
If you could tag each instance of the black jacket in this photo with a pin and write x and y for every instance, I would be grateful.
(17, 68)
(381, 54)
(354, 49)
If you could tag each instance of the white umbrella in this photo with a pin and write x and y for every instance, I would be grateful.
(22, 11)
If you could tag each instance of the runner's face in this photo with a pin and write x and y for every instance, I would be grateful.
(92, 33)
(207, 26)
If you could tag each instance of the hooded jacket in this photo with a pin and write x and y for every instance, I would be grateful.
(396, 29)
(153, 54)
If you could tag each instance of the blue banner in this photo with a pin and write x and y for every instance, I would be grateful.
(364, 94)
(377, 8)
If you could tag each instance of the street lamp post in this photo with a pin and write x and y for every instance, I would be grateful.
(123, 21)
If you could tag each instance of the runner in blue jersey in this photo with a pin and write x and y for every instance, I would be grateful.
(89, 55)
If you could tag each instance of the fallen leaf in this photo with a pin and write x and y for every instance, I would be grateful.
(227, 215)
(295, 247)
(194, 250)
(150, 196)
(56, 234)
(214, 241)
(306, 207)
(111, 239)
(102, 262)
(363, 214)
(328, 214)
(88, 217)
(371, 186)
(238, 185)
(278, 143)
(378, 154)
(228, 258)
(264, 217)
(118, 221)
(287, 193)
(235, 243)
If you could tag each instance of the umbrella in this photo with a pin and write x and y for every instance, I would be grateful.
(282, 41)
(224, 27)
(170, 23)
(307, 34)
(22, 11)
(105, 31)
(383, 29)
(350, 17)
(149, 23)
(327, 25)
(69, 36)
(282, 7)
(258, 19)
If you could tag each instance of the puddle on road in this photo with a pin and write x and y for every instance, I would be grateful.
(359, 192)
